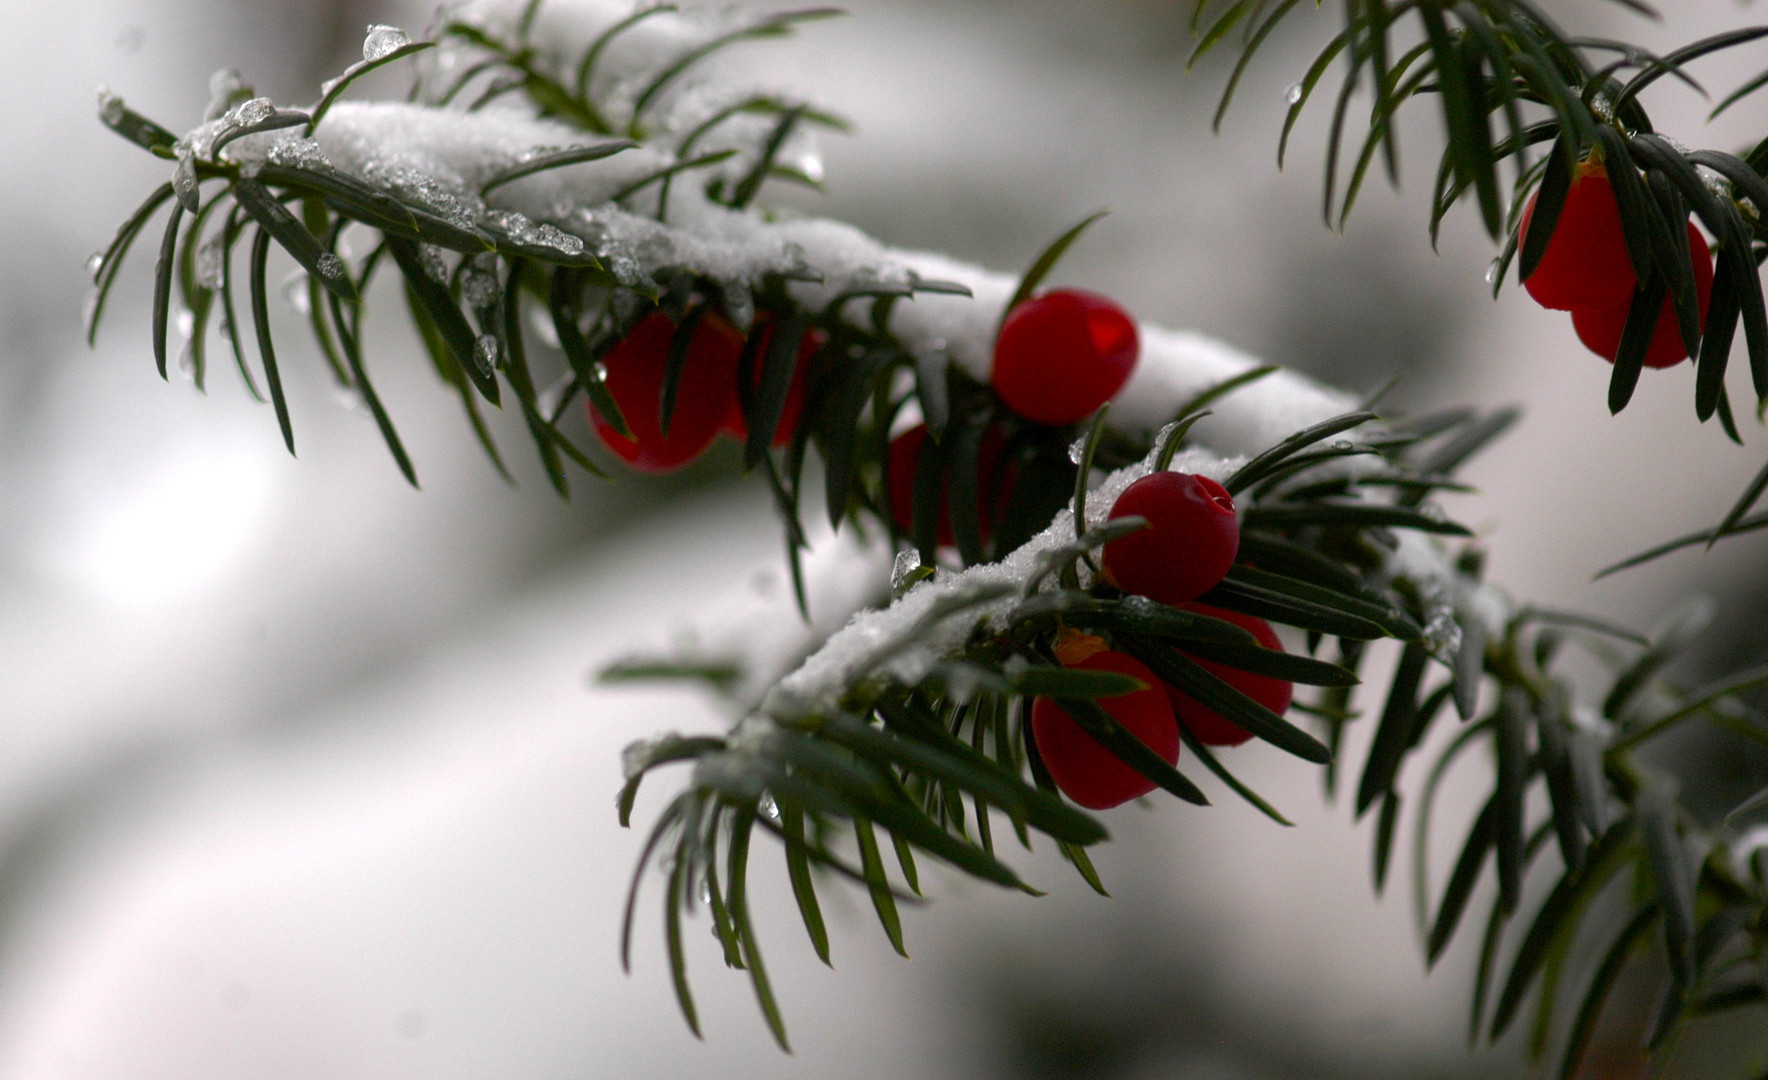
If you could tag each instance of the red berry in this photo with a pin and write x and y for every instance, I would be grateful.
(1087, 772)
(1062, 355)
(1586, 262)
(1209, 727)
(994, 484)
(702, 402)
(1600, 328)
(808, 345)
(1189, 543)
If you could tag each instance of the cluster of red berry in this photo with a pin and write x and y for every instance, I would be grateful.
(1187, 548)
(1059, 356)
(1587, 272)
(707, 398)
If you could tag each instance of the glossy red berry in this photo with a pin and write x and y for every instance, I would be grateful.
(1209, 727)
(703, 401)
(1600, 328)
(995, 483)
(808, 345)
(1586, 263)
(1083, 769)
(1189, 544)
(1063, 354)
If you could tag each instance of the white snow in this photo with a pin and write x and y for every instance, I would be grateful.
(443, 158)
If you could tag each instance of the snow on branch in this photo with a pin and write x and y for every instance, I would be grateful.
(536, 179)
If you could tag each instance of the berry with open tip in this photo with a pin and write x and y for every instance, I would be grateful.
(1188, 546)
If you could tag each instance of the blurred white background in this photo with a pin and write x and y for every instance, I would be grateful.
(301, 775)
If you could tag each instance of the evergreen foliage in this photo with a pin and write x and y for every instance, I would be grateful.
(1341, 538)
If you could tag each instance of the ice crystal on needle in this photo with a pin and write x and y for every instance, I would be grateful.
(383, 41)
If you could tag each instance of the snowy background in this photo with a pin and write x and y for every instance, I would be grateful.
(301, 774)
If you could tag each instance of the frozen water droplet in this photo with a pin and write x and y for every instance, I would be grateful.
(184, 180)
(1165, 433)
(294, 290)
(769, 808)
(434, 264)
(186, 322)
(600, 371)
(625, 268)
(706, 899)
(383, 41)
(1077, 450)
(95, 263)
(1492, 272)
(348, 398)
(553, 237)
(110, 106)
(485, 353)
(633, 758)
(1442, 634)
(251, 111)
(519, 227)
(908, 561)
(1714, 181)
(479, 285)
(330, 266)
(300, 153)
(1293, 94)
(1139, 605)
(208, 264)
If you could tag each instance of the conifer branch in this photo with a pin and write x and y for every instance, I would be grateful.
(913, 719)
